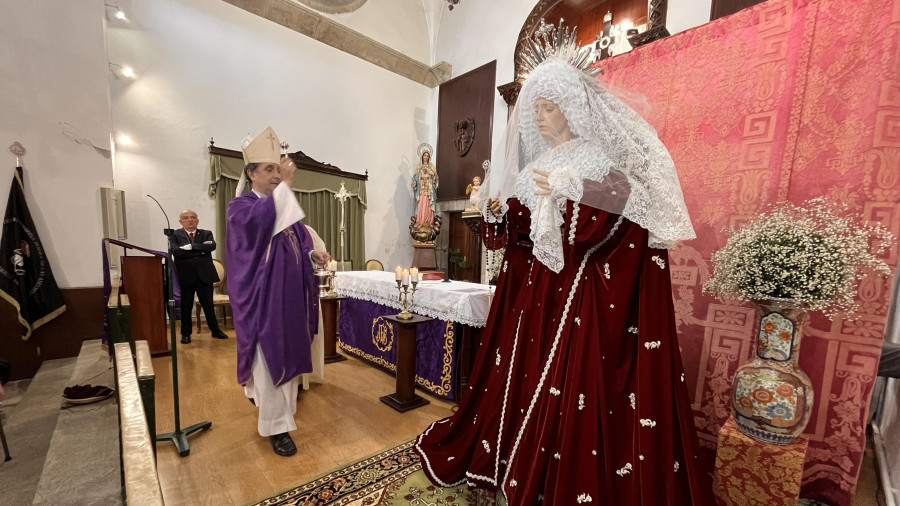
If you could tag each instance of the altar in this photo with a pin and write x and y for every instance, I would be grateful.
(444, 345)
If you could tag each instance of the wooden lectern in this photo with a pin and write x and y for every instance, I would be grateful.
(144, 280)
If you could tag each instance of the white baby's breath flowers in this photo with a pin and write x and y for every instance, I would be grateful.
(813, 254)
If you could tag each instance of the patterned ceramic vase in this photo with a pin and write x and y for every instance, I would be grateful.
(771, 398)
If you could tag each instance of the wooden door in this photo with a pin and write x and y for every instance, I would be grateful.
(469, 246)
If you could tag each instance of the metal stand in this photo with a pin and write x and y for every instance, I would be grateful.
(342, 197)
(3, 440)
(179, 435)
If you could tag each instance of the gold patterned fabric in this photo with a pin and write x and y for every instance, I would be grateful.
(753, 473)
(788, 100)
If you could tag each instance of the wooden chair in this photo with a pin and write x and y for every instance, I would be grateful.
(374, 265)
(219, 299)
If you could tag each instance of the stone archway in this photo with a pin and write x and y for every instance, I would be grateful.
(333, 6)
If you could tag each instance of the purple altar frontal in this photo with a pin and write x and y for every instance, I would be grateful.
(365, 333)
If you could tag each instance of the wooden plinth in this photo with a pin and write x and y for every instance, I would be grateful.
(423, 256)
(746, 468)
(330, 307)
(405, 398)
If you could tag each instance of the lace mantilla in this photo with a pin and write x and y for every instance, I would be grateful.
(630, 170)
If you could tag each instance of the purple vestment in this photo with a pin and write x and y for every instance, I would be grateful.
(273, 293)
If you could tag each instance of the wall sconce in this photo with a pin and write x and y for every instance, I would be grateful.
(119, 13)
(122, 70)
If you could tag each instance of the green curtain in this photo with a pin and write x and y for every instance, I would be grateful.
(315, 191)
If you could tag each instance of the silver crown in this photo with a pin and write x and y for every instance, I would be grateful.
(549, 42)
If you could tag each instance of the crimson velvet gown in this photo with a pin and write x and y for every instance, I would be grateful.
(577, 394)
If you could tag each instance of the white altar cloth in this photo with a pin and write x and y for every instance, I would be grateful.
(456, 301)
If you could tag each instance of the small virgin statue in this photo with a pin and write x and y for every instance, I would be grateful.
(425, 184)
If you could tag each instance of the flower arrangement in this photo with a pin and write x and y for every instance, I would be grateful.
(812, 254)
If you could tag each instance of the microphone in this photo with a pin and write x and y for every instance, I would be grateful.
(168, 230)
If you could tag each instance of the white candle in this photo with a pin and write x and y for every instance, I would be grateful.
(332, 265)
(398, 272)
(414, 275)
(405, 281)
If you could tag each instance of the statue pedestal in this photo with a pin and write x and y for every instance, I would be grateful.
(746, 468)
(423, 256)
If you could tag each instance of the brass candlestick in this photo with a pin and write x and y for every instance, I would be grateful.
(403, 292)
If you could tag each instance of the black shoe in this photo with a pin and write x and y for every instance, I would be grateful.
(283, 444)
(185, 339)
(218, 334)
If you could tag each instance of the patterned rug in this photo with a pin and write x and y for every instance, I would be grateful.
(392, 477)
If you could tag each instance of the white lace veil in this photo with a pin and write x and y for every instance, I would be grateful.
(616, 163)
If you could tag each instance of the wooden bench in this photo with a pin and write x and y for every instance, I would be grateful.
(147, 385)
(118, 317)
(139, 476)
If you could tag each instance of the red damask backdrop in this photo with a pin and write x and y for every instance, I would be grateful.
(788, 100)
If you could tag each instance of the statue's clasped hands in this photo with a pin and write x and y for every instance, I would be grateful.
(542, 182)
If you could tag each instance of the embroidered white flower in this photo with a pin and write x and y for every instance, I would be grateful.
(652, 344)
(641, 457)
(583, 498)
(676, 466)
(450, 458)
(505, 265)
(554, 391)
(625, 470)
(474, 418)
(578, 321)
(575, 209)
(606, 270)
(580, 402)
(593, 452)
(682, 377)
(513, 483)
(631, 245)
(487, 447)
(646, 422)
(631, 398)
(556, 456)
(497, 360)
(593, 218)
(659, 261)
(633, 330)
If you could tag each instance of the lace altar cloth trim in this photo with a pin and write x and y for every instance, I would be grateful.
(456, 301)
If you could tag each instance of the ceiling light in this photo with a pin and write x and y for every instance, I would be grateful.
(124, 140)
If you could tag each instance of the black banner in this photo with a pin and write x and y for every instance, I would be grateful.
(26, 280)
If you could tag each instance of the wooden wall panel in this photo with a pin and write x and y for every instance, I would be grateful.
(721, 8)
(60, 338)
(470, 95)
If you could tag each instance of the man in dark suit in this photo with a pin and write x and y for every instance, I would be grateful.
(192, 249)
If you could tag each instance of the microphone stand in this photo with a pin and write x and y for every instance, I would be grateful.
(179, 435)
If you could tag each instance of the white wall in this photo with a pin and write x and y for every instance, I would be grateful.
(684, 14)
(398, 24)
(206, 68)
(53, 98)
